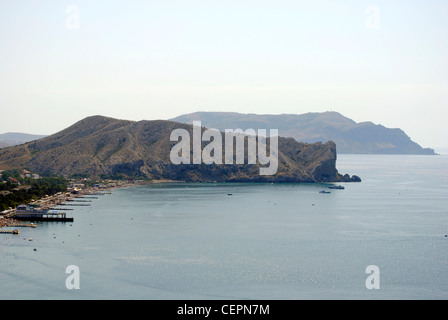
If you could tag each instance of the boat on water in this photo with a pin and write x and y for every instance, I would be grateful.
(323, 191)
(336, 187)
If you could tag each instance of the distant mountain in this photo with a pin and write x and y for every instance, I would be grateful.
(349, 136)
(4, 144)
(16, 138)
(101, 146)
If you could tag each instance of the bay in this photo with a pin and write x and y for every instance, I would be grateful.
(248, 240)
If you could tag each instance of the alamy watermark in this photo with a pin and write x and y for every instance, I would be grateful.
(373, 18)
(373, 280)
(212, 153)
(73, 280)
(72, 21)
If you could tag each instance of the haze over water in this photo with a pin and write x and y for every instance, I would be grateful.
(248, 241)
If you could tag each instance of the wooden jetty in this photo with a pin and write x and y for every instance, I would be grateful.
(10, 231)
(43, 216)
(23, 225)
(61, 217)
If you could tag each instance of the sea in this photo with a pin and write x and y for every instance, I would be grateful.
(384, 238)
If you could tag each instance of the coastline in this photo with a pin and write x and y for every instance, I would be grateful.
(61, 198)
(73, 192)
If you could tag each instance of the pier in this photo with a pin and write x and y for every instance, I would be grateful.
(23, 225)
(51, 208)
(44, 216)
(10, 231)
(58, 218)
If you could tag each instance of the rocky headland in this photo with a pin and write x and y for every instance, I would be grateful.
(104, 147)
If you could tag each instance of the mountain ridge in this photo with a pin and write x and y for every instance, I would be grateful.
(15, 138)
(102, 146)
(349, 136)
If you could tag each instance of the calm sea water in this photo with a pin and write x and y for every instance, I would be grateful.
(264, 241)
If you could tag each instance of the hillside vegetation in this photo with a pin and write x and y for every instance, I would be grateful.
(99, 146)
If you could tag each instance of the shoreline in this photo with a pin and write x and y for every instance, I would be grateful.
(76, 191)
(72, 193)
(61, 198)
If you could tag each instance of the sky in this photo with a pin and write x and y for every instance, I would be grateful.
(379, 61)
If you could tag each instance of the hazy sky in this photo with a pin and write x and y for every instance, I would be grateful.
(379, 61)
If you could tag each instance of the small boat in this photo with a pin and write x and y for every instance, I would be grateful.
(336, 187)
(323, 191)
